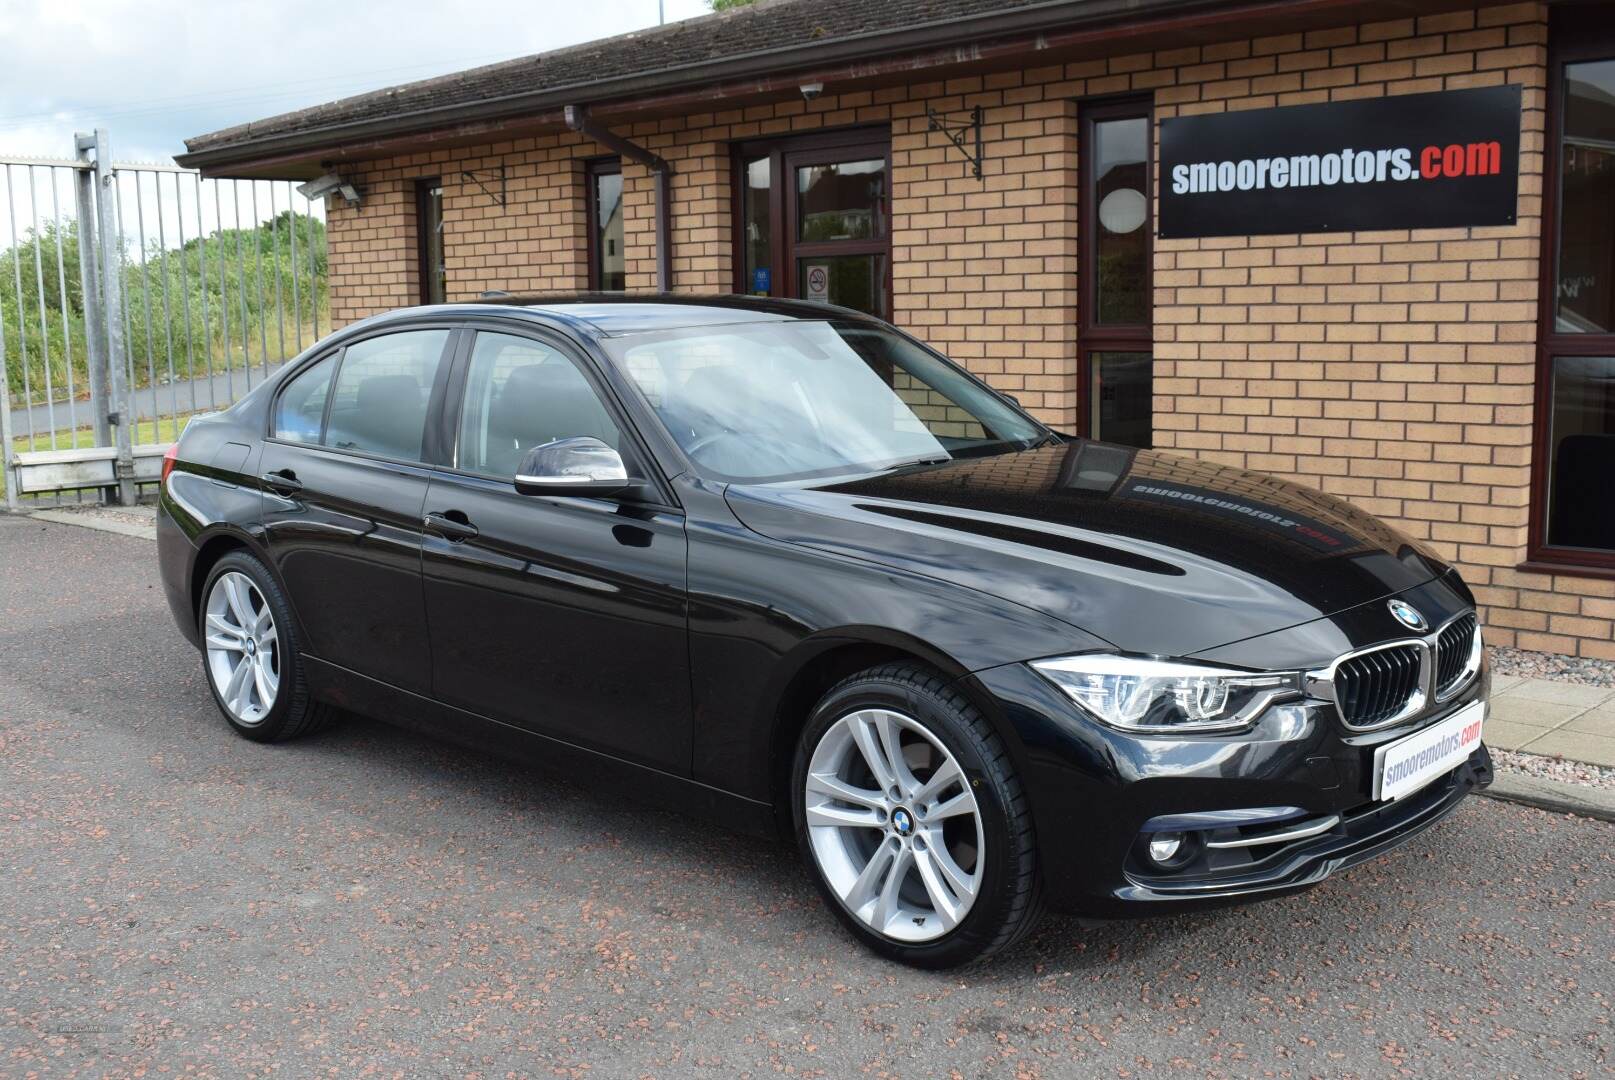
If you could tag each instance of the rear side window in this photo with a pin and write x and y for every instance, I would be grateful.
(519, 394)
(382, 389)
(300, 411)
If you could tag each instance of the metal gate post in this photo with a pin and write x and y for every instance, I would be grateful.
(97, 362)
(111, 257)
(8, 475)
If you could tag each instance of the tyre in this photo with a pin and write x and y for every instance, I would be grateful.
(251, 653)
(909, 811)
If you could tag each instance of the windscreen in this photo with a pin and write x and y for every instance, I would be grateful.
(781, 401)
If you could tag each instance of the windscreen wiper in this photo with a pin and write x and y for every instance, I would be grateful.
(916, 461)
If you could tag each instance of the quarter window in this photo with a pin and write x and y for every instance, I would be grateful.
(300, 410)
(1574, 522)
(382, 389)
(521, 393)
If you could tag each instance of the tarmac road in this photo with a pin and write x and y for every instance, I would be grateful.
(176, 899)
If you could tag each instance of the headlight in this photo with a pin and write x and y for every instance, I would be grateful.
(1165, 696)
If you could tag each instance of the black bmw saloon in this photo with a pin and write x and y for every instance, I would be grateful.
(780, 565)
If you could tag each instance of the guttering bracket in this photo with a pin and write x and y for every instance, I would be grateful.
(578, 119)
(476, 177)
(957, 132)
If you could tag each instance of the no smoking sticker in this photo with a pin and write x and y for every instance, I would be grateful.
(818, 283)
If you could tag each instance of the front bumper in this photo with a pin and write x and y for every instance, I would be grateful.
(1093, 790)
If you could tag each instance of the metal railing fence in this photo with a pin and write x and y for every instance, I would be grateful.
(133, 296)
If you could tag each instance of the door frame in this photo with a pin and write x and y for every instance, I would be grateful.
(785, 154)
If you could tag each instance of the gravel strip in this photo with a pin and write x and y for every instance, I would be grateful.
(1555, 768)
(1541, 665)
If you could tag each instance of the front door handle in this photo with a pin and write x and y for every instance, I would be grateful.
(283, 482)
(451, 525)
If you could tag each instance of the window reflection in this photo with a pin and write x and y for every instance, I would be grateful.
(1581, 509)
(841, 200)
(1122, 398)
(759, 240)
(1586, 278)
(610, 272)
(1120, 181)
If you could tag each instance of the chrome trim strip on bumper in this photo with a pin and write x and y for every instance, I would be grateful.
(1299, 833)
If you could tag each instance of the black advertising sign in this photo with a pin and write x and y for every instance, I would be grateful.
(1416, 161)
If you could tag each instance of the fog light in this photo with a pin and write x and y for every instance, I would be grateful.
(1164, 847)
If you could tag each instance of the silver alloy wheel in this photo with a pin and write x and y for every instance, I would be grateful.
(893, 825)
(243, 651)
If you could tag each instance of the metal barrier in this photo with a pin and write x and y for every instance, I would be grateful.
(133, 296)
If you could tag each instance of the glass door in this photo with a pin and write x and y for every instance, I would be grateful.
(815, 222)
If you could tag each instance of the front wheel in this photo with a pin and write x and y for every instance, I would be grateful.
(909, 811)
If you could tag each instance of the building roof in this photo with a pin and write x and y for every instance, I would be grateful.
(743, 55)
(769, 37)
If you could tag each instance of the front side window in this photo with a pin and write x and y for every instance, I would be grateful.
(521, 393)
(382, 389)
(1576, 440)
(785, 401)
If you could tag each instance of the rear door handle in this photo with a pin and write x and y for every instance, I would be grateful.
(451, 525)
(283, 482)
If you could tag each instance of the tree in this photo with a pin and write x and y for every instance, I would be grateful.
(725, 5)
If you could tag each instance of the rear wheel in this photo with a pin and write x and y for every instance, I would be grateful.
(251, 653)
(911, 815)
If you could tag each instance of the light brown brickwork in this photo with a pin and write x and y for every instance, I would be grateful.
(1394, 369)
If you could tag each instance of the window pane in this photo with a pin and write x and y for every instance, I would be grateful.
(1122, 212)
(841, 201)
(759, 230)
(1586, 279)
(381, 393)
(610, 273)
(1581, 430)
(433, 288)
(521, 393)
(1120, 400)
(301, 408)
(854, 281)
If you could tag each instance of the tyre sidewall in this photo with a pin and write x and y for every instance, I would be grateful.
(994, 901)
(290, 691)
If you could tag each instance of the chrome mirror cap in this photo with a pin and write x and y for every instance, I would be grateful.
(577, 466)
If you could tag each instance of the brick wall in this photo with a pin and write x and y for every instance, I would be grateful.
(1395, 369)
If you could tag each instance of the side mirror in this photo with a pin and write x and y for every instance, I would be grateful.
(579, 466)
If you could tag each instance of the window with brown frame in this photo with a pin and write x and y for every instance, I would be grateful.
(813, 219)
(429, 239)
(608, 268)
(1573, 496)
(1114, 334)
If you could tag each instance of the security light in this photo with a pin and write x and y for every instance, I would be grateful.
(325, 185)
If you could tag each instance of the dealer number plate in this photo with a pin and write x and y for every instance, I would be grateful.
(1406, 765)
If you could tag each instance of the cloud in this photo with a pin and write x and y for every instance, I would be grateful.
(154, 72)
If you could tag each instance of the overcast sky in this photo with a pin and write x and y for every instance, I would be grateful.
(154, 72)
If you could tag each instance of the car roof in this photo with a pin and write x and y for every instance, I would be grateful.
(617, 314)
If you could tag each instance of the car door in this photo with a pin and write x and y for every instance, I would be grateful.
(564, 616)
(345, 481)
